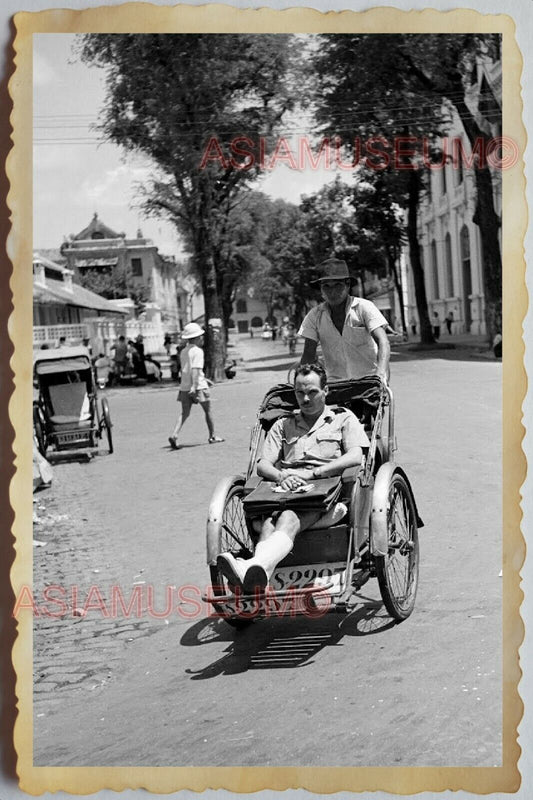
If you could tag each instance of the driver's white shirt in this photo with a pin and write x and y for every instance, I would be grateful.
(354, 353)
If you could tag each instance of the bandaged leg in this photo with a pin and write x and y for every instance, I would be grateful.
(269, 552)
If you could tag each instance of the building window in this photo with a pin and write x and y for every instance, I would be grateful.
(97, 235)
(256, 322)
(443, 186)
(449, 265)
(241, 307)
(464, 238)
(136, 267)
(458, 161)
(435, 268)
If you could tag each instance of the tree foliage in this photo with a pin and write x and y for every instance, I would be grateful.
(406, 85)
(366, 98)
(168, 96)
(114, 283)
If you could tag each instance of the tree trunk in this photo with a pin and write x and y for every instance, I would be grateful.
(398, 285)
(215, 342)
(486, 218)
(426, 331)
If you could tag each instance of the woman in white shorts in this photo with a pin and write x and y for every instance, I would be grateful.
(194, 387)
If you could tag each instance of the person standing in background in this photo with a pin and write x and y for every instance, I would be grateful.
(449, 320)
(120, 357)
(436, 326)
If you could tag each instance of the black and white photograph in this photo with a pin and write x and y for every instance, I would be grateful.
(268, 351)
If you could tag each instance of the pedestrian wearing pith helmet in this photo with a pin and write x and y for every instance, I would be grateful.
(194, 387)
(351, 330)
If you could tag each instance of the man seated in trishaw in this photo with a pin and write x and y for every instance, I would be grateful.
(312, 443)
(366, 524)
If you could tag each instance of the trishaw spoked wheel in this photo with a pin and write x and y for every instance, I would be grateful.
(38, 426)
(397, 572)
(106, 418)
(235, 538)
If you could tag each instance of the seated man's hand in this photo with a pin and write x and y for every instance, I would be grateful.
(292, 478)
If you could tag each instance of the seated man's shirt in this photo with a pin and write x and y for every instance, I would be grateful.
(354, 354)
(292, 443)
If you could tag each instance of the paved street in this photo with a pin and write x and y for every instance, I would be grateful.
(342, 690)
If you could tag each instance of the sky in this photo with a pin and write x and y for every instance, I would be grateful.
(75, 176)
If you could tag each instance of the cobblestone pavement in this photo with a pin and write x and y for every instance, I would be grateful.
(186, 690)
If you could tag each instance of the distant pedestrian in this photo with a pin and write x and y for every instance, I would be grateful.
(120, 358)
(436, 326)
(194, 387)
(139, 365)
(449, 320)
(412, 323)
(167, 343)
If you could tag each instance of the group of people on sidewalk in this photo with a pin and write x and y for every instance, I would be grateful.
(130, 360)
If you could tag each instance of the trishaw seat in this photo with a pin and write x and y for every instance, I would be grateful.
(62, 419)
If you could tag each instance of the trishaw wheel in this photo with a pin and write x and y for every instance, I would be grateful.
(233, 537)
(106, 417)
(397, 572)
(38, 426)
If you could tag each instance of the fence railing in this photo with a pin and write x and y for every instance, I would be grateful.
(52, 333)
(102, 332)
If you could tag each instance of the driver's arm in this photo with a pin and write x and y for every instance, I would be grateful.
(382, 341)
(309, 353)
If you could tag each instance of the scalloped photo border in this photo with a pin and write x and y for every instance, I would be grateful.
(145, 18)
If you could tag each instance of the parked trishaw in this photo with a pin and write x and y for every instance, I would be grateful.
(66, 415)
(378, 537)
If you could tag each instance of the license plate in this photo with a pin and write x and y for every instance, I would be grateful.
(71, 438)
(308, 575)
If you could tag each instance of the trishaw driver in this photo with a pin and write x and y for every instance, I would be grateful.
(312, 443)
(351, 330)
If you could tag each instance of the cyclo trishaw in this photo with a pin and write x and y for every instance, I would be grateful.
(66, 414)
(377, 538)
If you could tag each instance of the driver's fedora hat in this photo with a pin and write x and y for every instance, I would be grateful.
(332, 269)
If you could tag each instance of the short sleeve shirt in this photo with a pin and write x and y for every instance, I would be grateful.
(292, 443)
(121, 349)
(354, 354)
(192, 357)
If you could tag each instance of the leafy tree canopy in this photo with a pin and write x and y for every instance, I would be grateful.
(168, 96)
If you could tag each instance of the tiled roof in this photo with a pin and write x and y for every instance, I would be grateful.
(95, 226)
(83, 298)
(52, 254)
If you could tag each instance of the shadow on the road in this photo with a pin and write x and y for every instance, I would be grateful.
(449, 353)
(277, 357)
(68, 457)
(269, 367)
(283, 643)
(183, 446)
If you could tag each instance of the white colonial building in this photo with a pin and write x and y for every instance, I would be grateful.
(99, 248)
(451, 247)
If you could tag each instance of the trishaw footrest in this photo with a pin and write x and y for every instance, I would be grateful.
(305, 590)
